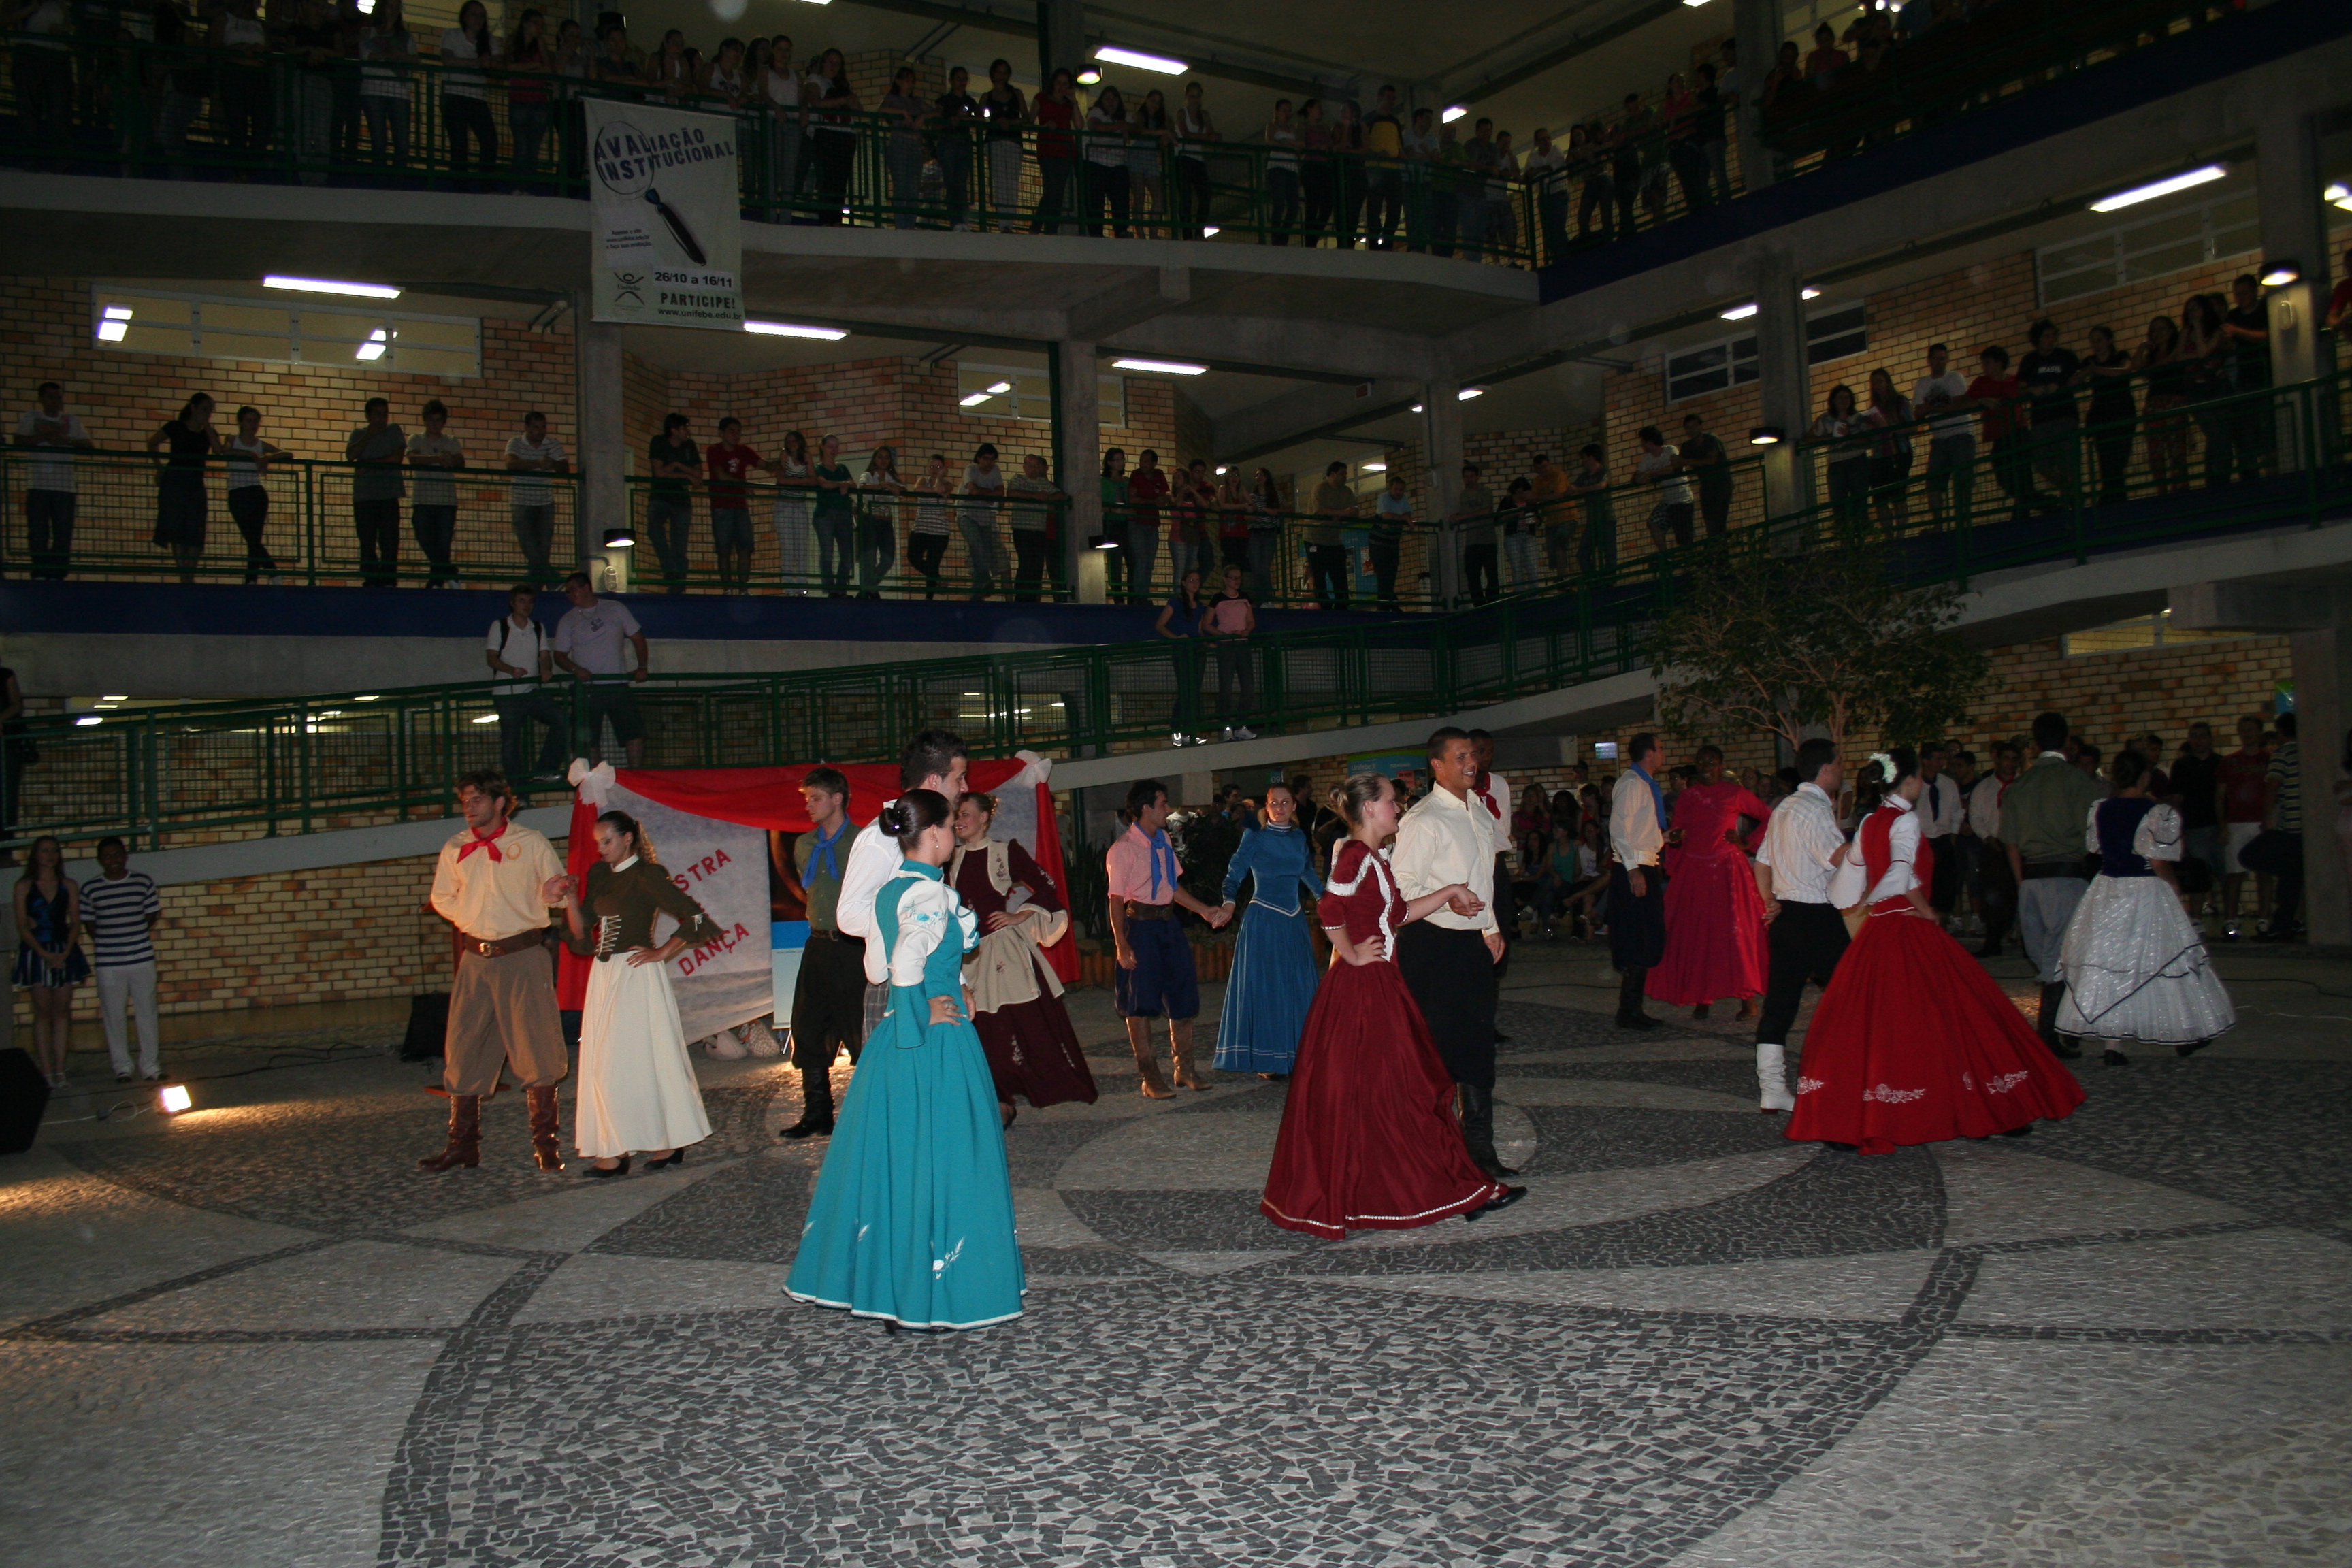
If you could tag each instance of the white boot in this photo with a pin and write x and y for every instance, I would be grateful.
(1772, 1079)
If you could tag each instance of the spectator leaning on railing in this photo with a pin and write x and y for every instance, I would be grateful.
(49, 495)
(432, 514)
(530, 456)
(1473, 530)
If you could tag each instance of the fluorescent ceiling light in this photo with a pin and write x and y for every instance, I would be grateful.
(1086, 78)
(1000, 388)
(787, 330)
(87, 720)
(1418, 408)
(1221, 470)
(2337, 191)
(1208, 231)
(1741, 313)
(374, 348)
(1468, 393)
(974, 401)
(122, 312)
(1375, 467)
(2148, 192)
(487, 719)
(1163, 366)
(1111, 56)
(113, 332)
(116, 698)
(1694, 2)
(329, 286)
(1452, 112)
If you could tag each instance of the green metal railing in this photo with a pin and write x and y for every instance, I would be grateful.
(199, 771)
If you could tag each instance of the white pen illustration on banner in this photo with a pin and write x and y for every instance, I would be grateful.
(668, 213)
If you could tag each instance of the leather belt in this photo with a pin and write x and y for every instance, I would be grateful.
(1136, 912)
(2036, 870)
(817, 935)
(488, 947)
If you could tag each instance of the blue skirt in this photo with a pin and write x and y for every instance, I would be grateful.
(1269, 993)
(912, 1218)
(32, 970)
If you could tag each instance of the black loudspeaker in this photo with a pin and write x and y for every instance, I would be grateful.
(428, 1027)
(23, 1099)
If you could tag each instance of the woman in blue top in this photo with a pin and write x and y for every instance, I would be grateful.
(912, 1219)
(1272, 981)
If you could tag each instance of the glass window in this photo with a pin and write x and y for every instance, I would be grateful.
(199, 326)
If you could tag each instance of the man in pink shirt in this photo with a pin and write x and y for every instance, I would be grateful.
(1155, 971)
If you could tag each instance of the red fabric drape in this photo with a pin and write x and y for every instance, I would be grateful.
(1062, 955)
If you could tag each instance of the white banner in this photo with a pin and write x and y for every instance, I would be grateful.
(669, 232)
(724, 868)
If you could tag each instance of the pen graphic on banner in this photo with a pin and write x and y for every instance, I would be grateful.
(684, 236)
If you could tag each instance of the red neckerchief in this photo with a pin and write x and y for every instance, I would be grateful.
(481, 841)
(1485, 792)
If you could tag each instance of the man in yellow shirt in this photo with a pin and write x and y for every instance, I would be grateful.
(1383, 170)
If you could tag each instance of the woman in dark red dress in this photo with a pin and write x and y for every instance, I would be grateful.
(1715, 917)
(1913, 1041)
(1016, 998)
(1369, 1139)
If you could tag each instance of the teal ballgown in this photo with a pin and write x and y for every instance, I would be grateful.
(912, 1219)
(1274, 975)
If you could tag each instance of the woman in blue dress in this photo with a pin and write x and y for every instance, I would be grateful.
(912, 1219)
(1272, 981)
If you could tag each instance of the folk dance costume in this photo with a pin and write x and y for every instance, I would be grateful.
(2134, 967)
(1142, 874)
(1367, 1138)
(1914, 1041)
(1443, 959)
(502, 1009)
(1715, 917)
(2042, 822)
(913, 1217)
(1016, 998)
(1493, 791)
(1807, 938)
(829, 996)
(874, 859)
(637, 1089)
(1273, 980)
(1637, 923)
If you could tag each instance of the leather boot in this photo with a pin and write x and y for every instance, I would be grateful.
(465, 1136)
(2060, 1046)
(1186, 1073)
(817, 1106)
(1146, 1065)
(546, 1125)
(1772, 1079)
(1478, 1131)
(1629, 1002)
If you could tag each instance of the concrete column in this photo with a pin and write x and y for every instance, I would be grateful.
(601, 457)
(1783, 379)
(2294, 228)
(1756, 26)
(1441, 446)
(1061, 38)
(1077, 465)
(2323, 709)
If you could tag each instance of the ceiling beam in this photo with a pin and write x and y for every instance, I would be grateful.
(1559, 54)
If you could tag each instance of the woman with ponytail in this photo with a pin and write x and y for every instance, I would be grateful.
(912, 1218)
(1913, 1042)
(637, 1093)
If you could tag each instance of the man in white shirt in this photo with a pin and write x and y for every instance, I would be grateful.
(1992, 888)
(433, 510)
(934, 760)
(1662, 464)
(520, 651)
(1448, 958)
(1951, 438)
(1546, 167)
(1493, 791)
(530, 457)
(1637, 888)
(1941, 812)
(588, 642)
(1803, 930)
(49, 483)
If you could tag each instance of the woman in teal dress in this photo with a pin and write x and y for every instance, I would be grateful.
(1272, 981)
(912, 1220)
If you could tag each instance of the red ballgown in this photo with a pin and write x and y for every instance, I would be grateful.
(1715, 917)
(1032, 1050)
(1369, 1139)
(1913, 1041)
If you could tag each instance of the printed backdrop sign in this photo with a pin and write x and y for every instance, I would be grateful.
(668, 218)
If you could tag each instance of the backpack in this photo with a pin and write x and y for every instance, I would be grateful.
(506, 631)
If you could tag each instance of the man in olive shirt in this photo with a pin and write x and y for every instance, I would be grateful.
(829, 997)
(1326, 552)
(2042, 818)
(1474, 525)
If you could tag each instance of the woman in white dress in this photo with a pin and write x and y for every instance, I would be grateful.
(792, 471)
(2134, 967)
(638, 1092)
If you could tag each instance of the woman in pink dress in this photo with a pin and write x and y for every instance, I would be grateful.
(1715, 917)
(1913, 1041)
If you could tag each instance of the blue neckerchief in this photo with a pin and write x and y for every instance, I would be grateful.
(1159, 848)
(1657, 797)
(820, 853)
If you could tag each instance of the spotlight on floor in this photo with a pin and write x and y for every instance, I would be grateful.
(175, 1098)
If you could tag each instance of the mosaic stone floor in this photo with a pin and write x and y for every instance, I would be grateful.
(255, 1336)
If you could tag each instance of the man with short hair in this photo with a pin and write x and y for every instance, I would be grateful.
(517, 650)
(1326, 550)
(730, 505)
(495, 881)
(1993, 395)
(1940, 811)
(530, 456)
(1474, 526)
(1447, 959)
(1155, 972)
(1547, 488)
(1493, 793)
(433, 513)
(2197, 780)
(1546, 168)
(1384, 169)
(1147, 488)
(377, 448)
(2241, 797)
(1703, 454)
(829, 996)
(2247, 325)
(1662, 465)
(675, 462)
(934, 760)
(588, 643)
(49, 481)
(120, 908)
(1032, 513)
(1803, 931)
(2282, 814)
(1951, 438)
(1637, 888)
(2047, 374)
(2042, 818)
(1392, 512)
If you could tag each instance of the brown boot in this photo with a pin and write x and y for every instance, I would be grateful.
(465, 1136)
(1147, 1064)
(545, 1124)
(1187, 1072)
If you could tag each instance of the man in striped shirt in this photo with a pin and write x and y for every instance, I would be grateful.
(120, 907)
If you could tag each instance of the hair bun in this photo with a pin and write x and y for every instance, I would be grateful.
(897, 819)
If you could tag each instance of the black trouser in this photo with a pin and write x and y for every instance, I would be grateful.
(1386, 206)
(1478, 568)
(1053, 187)
(828, 1002)
(249, 506)
(515, 715)
(836, 155)
(1452, 977)
(1715, 506)
(1944, 889)
(1996, 890)
(2115, 452)
(1192, 196)
(1028, 564)
(1234, 668)
(48, 531)
(1805, 942)
(1386, 555)
(1107, 183)
(378, 522)
(437, 528)
(2287, 903)
(924, 553)
(1329, 565)
(465, 119)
